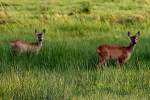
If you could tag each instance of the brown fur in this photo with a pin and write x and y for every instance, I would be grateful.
(20, 46)
(119, 53)
(106, 52)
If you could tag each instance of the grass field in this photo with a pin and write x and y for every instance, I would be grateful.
(65, 69)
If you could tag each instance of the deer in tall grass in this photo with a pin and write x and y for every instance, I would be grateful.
(119, 53)
(20, 46)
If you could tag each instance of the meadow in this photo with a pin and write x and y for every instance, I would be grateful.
(65, 68)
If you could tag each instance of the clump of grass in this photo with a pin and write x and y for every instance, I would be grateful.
(4, 4)
(3, 17)
(84, 7)
(122, 18)
(3, 14)
(147, 2)
(131, 19)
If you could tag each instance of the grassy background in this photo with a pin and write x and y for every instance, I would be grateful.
(65, 67)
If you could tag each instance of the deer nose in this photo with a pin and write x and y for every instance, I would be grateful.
(39, 34)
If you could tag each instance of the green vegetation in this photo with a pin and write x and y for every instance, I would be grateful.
(65, 69)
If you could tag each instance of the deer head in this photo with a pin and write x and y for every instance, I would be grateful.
(134, 38)
(40, 35)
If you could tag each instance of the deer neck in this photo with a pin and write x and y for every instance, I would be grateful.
(39, 43)
(131, 46)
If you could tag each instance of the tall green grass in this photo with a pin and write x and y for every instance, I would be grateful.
(65, 68)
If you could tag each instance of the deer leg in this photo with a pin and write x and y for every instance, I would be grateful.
(14, 52)
(102, 61)
(121, 61)
(37, 52)
(99, 65)
(104, 56)
(19, 51)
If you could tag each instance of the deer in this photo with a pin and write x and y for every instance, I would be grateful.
(121, 54)
(20, 46)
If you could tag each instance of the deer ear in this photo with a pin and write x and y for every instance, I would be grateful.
(138, 33)
(44, 30)
(129, 34)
